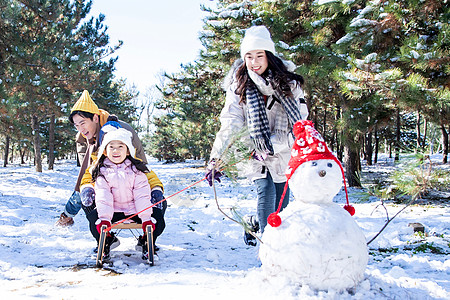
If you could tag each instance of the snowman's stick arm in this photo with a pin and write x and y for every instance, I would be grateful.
(389, 220)
(424, 185)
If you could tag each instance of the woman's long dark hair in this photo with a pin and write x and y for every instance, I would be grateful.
(137, 163)
(280, 77)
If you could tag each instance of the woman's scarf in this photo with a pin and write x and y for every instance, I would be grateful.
(258, 123)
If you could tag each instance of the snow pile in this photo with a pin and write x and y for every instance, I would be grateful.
(202, 254)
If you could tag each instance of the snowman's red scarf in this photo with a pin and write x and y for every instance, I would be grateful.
(274, 219)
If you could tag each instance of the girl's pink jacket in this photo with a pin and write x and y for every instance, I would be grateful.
(122, 188)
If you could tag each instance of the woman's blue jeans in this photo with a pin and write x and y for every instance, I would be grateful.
(269, 194)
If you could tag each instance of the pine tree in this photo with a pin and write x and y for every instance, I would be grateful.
(193, 104)
(359, 58)
(223, 30)
(47, 55)
(399, 54)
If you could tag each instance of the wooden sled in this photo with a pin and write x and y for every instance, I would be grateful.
(149, 233)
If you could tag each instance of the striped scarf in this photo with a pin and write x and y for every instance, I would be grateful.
(258, 123)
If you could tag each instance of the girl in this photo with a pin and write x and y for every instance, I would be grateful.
(122, 188)
(266, 98)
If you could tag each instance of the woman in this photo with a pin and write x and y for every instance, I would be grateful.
(266, 98)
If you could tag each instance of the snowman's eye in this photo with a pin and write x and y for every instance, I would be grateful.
(330, 165)
(314, 163)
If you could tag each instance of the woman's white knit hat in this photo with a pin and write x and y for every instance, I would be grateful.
(119, 134)
(257, 38)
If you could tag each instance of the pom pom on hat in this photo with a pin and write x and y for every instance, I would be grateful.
(118, 134)
(257, 38)
(86, 104)
(274, 220)
(309, 145)
(350, 209)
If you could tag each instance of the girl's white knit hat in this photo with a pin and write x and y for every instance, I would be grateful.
(119, 134)
(257, 38)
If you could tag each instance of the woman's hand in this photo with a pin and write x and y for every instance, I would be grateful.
(213, 165)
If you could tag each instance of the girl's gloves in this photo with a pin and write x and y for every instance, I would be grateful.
(150, 222)
(87, 196)
(263, 86)
(101, 223)
(209, 170)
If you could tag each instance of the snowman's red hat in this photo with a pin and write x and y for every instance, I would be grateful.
(309, 145)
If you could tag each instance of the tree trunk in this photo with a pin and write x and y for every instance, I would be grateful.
(11, 157)
(397, 137)
(369, 148)
(51, 143)
(332, 141)
(315, 116)
(419, 139)
(352, 166)
(22, 156)
(338, 140)
(6, 154)
(444, 144)
(324, 123)
(36, 144)
(377, 144)
(425, 129)
(364, 148)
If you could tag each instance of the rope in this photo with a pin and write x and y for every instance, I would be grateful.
(188, 187)
(121, 221)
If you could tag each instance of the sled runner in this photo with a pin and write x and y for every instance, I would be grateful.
(149, 233)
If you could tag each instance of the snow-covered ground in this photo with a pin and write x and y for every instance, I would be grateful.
(202, 253)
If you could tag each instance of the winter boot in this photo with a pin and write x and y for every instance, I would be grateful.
(253, 225)
(64, 220)
(142, 245)
(111, 242)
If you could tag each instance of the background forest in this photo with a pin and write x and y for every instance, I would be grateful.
(377, 76)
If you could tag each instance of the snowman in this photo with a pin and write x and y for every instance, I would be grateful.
(314, 241)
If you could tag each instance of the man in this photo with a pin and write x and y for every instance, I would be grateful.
(88, 119)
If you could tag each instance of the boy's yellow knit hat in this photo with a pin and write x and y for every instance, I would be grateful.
(85, 103)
